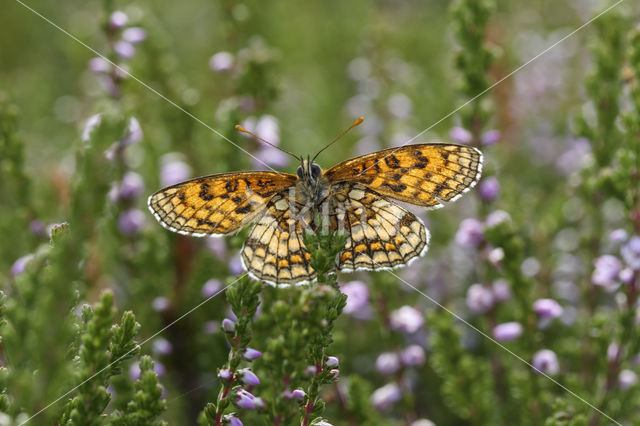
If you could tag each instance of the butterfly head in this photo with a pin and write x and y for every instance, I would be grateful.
(309, 171)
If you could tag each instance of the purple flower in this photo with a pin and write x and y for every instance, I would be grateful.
(118, 19)
(618, 236)
(626, 275)
(298, 394)
(546, 361)
(211, 288)
(388, 362)
(134, 371)
(162, 346)
(495, 255)
(470, 233)
(406, 319)
(501, 290)
(225, 374)
(160, 304)
(497, 217)
(235, 265)
(134, 35)
(399, 105)
(384, 397)
(357, 299)
(547, 308)
(607, 268)
(331, 362)
(311, 370)
(173, 170)
(507, 331)
(131, 221)
(269, 156)
(322, 422)
(250, 354)
(244, 399)
(124, 49)
(101, 66)
(228, 326)
(413, 356)
(217, 246)
(490, 137)
(479, 298)
(460, 135)
(37, 227)
(91, 123)
(231, 420)
(248, 377)
(489, 188)
(613, 352)
(631, 253)
(221, 61)
(334, 373)
(211, 327)
(131, 186)
(134, 132)
(20, 264)
(627, 378)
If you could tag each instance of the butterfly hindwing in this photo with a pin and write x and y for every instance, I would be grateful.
(422, 174)
(216, 204)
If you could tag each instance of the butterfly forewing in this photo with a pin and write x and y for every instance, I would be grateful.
(217, 204)
(422, 174)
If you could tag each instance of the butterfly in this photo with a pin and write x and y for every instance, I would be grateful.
(353, 196)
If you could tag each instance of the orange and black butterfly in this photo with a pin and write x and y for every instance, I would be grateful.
(354, 196)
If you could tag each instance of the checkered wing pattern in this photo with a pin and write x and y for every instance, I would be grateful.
(218, 204)
(423, 174)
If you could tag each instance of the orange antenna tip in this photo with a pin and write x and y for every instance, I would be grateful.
(358, 121)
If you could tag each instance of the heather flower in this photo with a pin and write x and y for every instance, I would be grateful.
(225, 374)
(311, 370)
(298, 394)
(607, 268)
(359, 69)
(489, 188)
(37, 227)
(162, 346)
(118, 19)
(100, 66)
(497, 217)
(131, 186)
(20, 264)
(134, 132)
(490, 137)
(134, 35)
(626, 275)
(160, 304)
(384, 397)
(231, 420)
(507, 331)
(235, 265)
(470, 233)
(211, 288)
(501, 290)
(131, 221)
(217, 246)
(228, 326)
(334, 373)
(124, 49)
(248, 377)
(460, 135)
(546, 361)
(221, 61)
(406, 319)
(331, 362)
(322, 423)
(547, 308)
(627, 378)
(91, 123)
(244, 399)
(413, 356)
(173, 170)
(422, 422)
(495, 255)
(250, 354)
(613, 352)
(618, 236)
(357, 299)
(399, 105)
(479, 298)
(388, 362)
(269, 156)
(631, 253)
(211, 327)
(530, 267)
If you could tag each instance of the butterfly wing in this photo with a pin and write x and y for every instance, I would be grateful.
(217, 204)
(422, 174)
(274, 251)
(382, 235)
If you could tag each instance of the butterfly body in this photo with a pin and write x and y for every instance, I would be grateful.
(353, 196)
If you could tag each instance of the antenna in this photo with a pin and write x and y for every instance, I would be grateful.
(243, 130)
(355, 123)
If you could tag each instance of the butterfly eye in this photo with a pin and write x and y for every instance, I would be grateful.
(299, 172)
(315, 171)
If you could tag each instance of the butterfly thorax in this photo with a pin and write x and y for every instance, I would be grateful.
(312, 186)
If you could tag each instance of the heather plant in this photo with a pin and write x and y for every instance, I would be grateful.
(524, 310)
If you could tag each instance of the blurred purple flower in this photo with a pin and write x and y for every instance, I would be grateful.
(228, 326)
(134, 35)
(384, 397)
(225, 374)
(134, 370)
(495, 256)
(470, 233)
(507, 331)
(131, 221)
(269, 156)
(20, 264)
(366, 145)
(357, 299)
(235, 265)
(217, 246)
(631, 253)
(359, 68)
(547, 308)
(248, 377)
(311, 370)
(413, 356)
(406, 319)
(124, 49)
(388, 363)
(399, 105)
(91, 123)
(99, 65)
(618, 236)
(37, 227)
(607, 268)
(211, 327)
(613, 351)
(546, 361)
(231, 420)
(627, 378)
(460, 135)
(479, 298)
(162, 346)
(501, 290)
(331, 362)
(160, 304)
(497, 217)
(626, 275)
(489, 188)
(490, 137)
(134, 132)
(131, 186)
(174, 171)
(298, 394)
(334, 373)
(244, 399)
(118, 19)
(250, 354)
(211, 287)
(221, 61)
